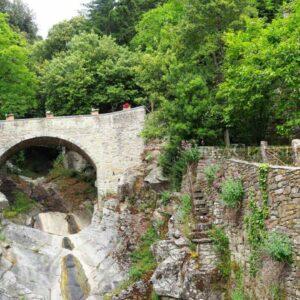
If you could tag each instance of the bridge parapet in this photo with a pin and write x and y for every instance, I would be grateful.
(110, 141)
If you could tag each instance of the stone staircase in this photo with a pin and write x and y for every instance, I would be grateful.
(202, 217)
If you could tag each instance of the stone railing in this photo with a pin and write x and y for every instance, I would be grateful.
(276, 155)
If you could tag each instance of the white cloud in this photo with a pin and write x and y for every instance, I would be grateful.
(50, 12)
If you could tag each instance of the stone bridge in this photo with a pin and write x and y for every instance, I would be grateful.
(110, 142)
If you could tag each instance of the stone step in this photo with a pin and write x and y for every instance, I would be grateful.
(200, 235)
(203, 226)
(202, 241)
(201, 210)
(196, 201)
(198, 194)
(203, 219)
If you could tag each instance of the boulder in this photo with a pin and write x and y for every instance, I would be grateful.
(73, 160)
(52, 222)
(156, 179)
(3, 202)
(168, 279)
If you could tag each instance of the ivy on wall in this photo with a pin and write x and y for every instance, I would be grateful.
(255, 220)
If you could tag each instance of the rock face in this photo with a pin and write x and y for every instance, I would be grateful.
(168, 278)
(3, 202)
(73, 160)
(31, 261)
(52, 222)
(156, 179)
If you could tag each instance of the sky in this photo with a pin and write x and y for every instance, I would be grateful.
(49, 12)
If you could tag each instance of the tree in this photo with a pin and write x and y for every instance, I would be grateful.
(58, 38)
(118, 18)
(261, 86)
(20, 17)
(181, 65)
(93, 72)
(17, 84)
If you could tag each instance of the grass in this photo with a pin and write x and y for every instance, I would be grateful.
(143, 261)
(221, 246)
(21, 205)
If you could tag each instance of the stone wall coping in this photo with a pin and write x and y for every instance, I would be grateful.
(121, 112)
(258, 164)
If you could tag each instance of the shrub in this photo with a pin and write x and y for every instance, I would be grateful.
(175, 160)
(279, 247)
(210, 173)
(232, 192)
(22, 204)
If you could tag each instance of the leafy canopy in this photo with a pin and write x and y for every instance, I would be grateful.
(93, 72)
(18, 83)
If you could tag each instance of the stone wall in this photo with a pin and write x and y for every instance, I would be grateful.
(111, 142)
(284, 206)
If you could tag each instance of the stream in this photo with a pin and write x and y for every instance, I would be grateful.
(61, 256)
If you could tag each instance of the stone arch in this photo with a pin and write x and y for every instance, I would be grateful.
(46, 141)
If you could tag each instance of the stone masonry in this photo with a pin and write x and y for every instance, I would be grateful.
(284, 206)
(111, 142)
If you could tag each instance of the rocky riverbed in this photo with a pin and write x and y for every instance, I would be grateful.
(42, 265)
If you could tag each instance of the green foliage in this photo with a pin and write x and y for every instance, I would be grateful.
(255, 221)
(263, 185)
(20, 17)
(22, 204)
(2, 236)
(93, 72)
(279, 247)
(261, 73)
(238, 292)
(17, 84)
(185, 208)
(58, 38)
(232, 192)
(221, 246)
(154, 296)
(276, 292)
(118, 18)
(210, 173)
(143, 261)
(175, 162)
(237, 295)
(180, 65)
(165, 198)
(256, 232)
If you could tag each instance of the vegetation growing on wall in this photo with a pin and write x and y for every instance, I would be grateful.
(279, 247)
(232, 192)
(210, 173)
(175, 161)
(221, 246)
(263, 185)
(256, 232)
